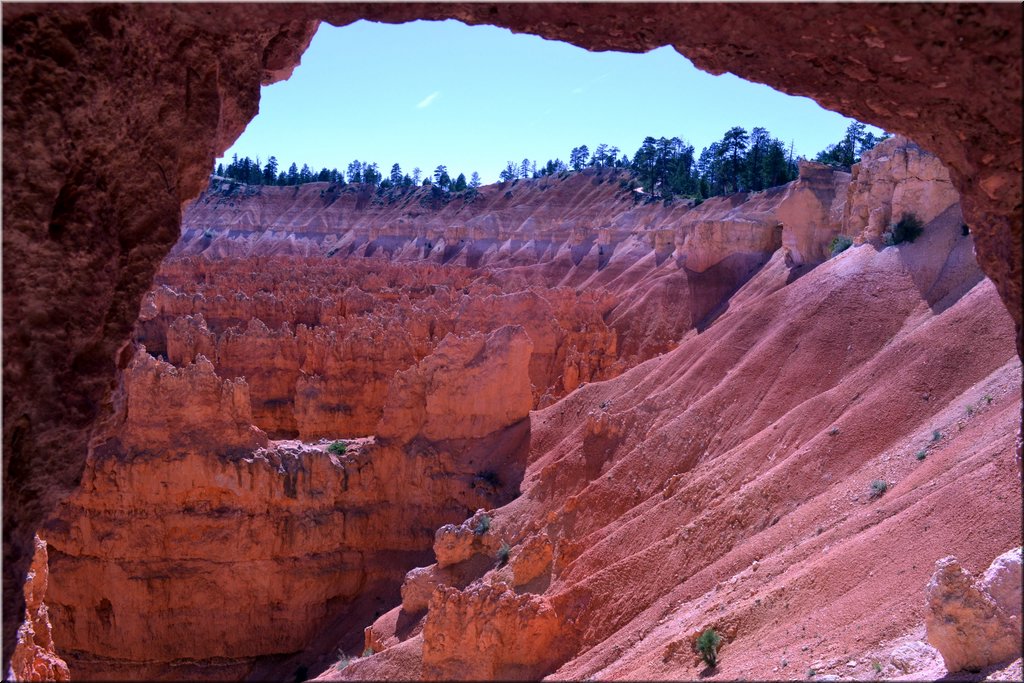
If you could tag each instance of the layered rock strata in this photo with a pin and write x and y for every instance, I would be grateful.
(188, 78)
(186, 555)
(452, 387)
(317, 300)
(734, 482)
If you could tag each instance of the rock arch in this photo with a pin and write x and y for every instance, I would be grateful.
(114, 113)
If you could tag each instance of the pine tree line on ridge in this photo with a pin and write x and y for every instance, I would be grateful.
(662, 167)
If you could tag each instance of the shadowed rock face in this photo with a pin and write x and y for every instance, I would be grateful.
(113, 115)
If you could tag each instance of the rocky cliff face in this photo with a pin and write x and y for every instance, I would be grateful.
(35, 657)
(189, 556)
(94, 93)
(318, 294)
(408, 357)
(725, 482)
(674, 498)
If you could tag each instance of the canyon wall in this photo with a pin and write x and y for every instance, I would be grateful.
(214, 486)
(187, 556)
(318, 294)
(695, 486)
(788, 476)
(95, 93)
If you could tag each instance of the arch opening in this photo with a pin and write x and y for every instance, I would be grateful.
(967, 126)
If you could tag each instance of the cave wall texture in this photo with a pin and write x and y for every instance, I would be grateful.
(113, 115)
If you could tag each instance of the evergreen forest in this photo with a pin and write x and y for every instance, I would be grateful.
(740, 161)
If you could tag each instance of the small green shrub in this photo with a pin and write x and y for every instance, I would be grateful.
(921, 454)
(833, 431)
(707, 646)
(970, 410)
(908, 229)
(988, 399)
(839, 244)
(811, 673)
(876, 666)
(368, 652)
(503, 553)
(936, 435)
(878, 488)
(483, 525)
(338, 448)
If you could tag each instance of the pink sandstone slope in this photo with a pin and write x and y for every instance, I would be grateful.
(670, 424)
(727, 484)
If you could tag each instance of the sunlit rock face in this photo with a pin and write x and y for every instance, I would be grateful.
(35, 657)
(895, 179)
(812, 212)
(204, 554)
(728, 483)
(408, 357)
(975, 623)
(114, 114)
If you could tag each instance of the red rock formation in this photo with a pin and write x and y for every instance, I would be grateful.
(194, 548)
(443, 398)
(727, 484)
(318, 357)
(35, 658)
(966, 624)
(325, 369)
(83, 80)
(812, 212)
(170, 410)
(488, 632)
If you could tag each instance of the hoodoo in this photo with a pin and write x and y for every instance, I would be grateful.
(690, 417)
(475, 452)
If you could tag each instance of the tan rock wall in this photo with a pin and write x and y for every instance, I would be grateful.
(894, 179)
(812, 212)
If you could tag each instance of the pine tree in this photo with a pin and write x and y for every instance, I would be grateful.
(371, 176)
(355, 172)
(731, 151)
(474, 180)
(645, 163)
(441, 176)
(509, 173)
(270, 171)
(756, 158)
(578, 157)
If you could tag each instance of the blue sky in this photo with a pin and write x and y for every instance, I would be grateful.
(474, 97)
